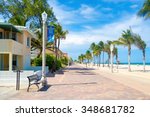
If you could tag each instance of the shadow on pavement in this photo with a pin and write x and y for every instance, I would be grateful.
(45, 88)
(49, 74)
(140, 71)
(74, 84)
(84, 73)
(76, 68)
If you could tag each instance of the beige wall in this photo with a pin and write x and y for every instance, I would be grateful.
(8, 45)
(19, 48)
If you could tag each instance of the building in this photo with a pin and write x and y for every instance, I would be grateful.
(15, 44)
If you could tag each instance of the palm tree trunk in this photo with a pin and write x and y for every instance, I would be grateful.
(129, 54)
(58, 46)
(94, 59)
(39, 53)
(108, 60)
(117, 61)
(103, 58)
(144, 61)
(99, 60)
(55, 54)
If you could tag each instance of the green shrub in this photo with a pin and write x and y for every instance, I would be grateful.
(64, 60)
(58, 64)
(37, 61)
(50, 62)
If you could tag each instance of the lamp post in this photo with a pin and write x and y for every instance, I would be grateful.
(44, 18)
(111, 49)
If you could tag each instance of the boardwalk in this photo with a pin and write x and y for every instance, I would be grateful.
(77, 82)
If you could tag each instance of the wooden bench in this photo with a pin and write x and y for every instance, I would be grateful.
(33, 80)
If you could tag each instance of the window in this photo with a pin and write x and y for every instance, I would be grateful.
(1, 35)
(14, 36)
(6, 35)
(28, 42)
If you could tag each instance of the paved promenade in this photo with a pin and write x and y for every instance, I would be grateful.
(77, 82)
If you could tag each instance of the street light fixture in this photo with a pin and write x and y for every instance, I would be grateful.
(111, 49)
(44, 19)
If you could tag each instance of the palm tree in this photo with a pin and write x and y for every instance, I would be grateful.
(115, 53)
(145, 10)
(92, 46)
(142, 46)
(81, 58)
(127, 39)
(88, 56)
(101, 45)
(97, 52)
(59, 34)
(107, 50)
(36, 44)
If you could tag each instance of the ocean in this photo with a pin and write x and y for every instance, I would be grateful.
(134, 63)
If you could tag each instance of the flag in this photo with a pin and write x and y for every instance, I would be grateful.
(50, 33)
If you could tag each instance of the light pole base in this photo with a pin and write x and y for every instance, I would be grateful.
(44, 81)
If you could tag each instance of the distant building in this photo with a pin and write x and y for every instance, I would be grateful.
(15, 46)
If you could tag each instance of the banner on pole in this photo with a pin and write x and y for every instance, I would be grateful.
(50, 33)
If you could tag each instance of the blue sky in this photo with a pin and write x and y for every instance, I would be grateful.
(93, 20)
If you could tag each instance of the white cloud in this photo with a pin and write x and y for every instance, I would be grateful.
(134, 6)
(87, 11)
(63, 13)
(118, 1)
(66, 15)
(108, 32)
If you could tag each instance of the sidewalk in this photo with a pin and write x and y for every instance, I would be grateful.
(80, 83)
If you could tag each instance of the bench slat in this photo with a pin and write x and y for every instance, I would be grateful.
(33, 80)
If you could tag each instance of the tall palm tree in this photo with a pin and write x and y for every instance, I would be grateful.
(107, 50)
(115, 53)
(36, 44)
(92, 46)
(97, 52)
(59, 35)
(81, 58)
(142, 46)
(127, 39)
(88, 56)
(101, 45)
(145, 10)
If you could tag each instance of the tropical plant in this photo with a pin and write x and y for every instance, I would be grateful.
(142, 46)
(101, 45)
(107, 50)
(88, 56)
(127, 39)
(145, 10)
(59, 35)
(81, 58)
(97, 52)
(21, 12)
(115, 53)
(92, 46)
(36, 44)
